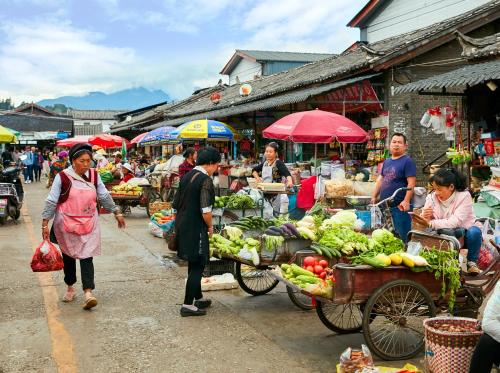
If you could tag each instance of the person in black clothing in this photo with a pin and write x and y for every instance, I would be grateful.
(193, 226)
(272, 170)
(7, 157)
(37, 164)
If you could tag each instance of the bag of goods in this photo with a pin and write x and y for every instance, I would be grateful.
(363, 188)
(353, 360)
(338, 188)
(47, 258)
(155, 230)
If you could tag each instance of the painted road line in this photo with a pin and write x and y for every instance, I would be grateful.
(62, 343)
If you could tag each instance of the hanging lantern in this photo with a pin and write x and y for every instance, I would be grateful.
(215, 98)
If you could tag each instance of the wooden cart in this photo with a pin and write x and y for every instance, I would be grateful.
(390, 304)
(149, 195)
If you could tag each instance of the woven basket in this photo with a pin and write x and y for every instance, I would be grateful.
(155, 207)
(449, 351)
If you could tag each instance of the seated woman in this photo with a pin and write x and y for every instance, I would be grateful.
(128, 173)
(448, 210)
(189, 163)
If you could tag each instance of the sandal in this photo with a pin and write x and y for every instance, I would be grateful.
(89, 303)
(69, 296)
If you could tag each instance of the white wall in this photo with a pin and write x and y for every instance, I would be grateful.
(245, 70)
(402, 16)
(106, 123)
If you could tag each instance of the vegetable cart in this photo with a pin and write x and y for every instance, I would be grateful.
(144, 199)
(389, 304)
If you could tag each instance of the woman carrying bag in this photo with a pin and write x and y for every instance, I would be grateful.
(193, 226)
(72, 202)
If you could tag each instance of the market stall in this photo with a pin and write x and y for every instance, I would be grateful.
(136, 192)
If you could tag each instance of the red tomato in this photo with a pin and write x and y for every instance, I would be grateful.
(322, 275)
(310, 269)
(309, 261)
(323, 263)
(318, 269)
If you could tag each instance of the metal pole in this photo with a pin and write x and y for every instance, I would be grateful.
(315, 158)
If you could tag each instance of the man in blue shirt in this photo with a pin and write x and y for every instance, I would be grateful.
(399, 171)
(28, 161)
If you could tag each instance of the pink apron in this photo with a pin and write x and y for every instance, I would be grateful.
(75, 224)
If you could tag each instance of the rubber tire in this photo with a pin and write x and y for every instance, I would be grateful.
(17, 215)
(295, 300)
(367, 317)
(329, 324)
(245, 287)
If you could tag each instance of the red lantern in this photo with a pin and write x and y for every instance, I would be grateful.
(215, 98)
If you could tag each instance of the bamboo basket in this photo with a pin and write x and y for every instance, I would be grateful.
(449, 351)
(155, 207)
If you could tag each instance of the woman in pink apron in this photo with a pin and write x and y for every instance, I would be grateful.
(72, 202)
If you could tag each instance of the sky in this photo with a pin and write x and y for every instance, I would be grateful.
(51, 48)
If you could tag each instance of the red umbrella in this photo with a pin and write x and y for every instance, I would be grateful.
(138, 138)
(315, 126)
(69, 142)
(107, 141)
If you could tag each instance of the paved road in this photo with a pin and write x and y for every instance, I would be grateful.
(136, 327)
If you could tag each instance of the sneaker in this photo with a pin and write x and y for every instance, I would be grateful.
(473, 269)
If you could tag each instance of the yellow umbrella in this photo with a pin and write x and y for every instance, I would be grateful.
(204, 129)
(6, 136)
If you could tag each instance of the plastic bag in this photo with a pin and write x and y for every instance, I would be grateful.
(488, 252)
(352, 360)
(47, 258)
(425, 121)
(155, 230)
(106, 177)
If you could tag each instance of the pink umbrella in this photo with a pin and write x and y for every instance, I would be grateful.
(69, 142)
(107, 141)
(315, 126)
(138, 138)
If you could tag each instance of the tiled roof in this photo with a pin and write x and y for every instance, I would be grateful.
(468, 75)
(285, 56)
(271, 102)
(35, 123)
(94, 114)
(479, 47)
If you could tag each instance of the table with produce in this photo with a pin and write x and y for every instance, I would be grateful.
(226, 209)
(354, 280)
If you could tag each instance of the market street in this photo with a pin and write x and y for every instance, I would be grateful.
(136, 326)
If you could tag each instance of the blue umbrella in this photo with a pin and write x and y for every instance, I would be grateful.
(158, 136)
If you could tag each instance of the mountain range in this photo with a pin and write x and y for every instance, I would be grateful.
(128, 99)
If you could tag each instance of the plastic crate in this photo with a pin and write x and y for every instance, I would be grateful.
(219, 267)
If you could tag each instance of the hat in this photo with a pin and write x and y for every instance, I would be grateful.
(79, 149)
(117, 153)
(128, 167)
(62, 154)
(101, 151)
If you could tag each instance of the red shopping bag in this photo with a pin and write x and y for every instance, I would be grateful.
(47, 258)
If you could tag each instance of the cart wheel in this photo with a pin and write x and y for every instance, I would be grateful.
(254, 281)
(302, 301)
(398, 310)
(340, 318)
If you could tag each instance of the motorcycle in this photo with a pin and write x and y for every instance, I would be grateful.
(11, 194)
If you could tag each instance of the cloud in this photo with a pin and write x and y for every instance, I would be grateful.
(39, 59)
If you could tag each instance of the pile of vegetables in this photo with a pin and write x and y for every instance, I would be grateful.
(383, 241)
(250, 223)
(344, 218)
(287, 230)
(321, 285)
(271, 243)
(344, 240)
(247, 249)
(445, 265)
(235, 202)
